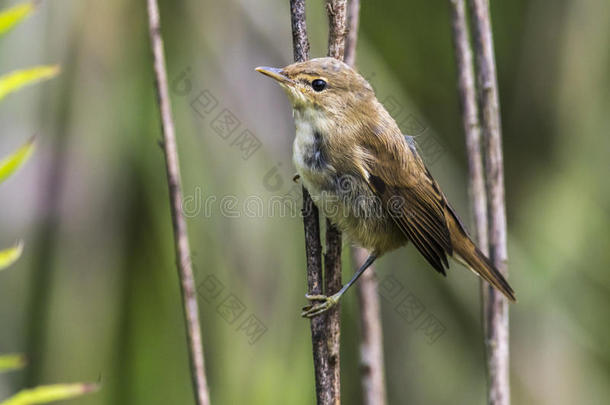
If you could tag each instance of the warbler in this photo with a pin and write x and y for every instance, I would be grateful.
(367, 177)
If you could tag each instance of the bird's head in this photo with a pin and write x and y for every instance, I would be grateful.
(324, 84)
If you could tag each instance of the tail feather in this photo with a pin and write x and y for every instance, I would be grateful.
(481, 265)
(466, 251)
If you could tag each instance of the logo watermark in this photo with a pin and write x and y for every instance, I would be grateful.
(411, 309)
(231, 309)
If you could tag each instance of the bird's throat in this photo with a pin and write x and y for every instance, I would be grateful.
(309, 151)
(310, 148)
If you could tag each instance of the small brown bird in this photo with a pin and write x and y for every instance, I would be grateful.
(367, 177)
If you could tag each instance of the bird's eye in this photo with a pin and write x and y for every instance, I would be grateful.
(318, 85)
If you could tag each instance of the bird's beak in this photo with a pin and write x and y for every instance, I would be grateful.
(274, 73)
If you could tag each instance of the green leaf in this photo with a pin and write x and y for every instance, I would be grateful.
(10, 362)
(13, 15)
(17, 79)
(10, 255)
(49, 393)
(11, 163)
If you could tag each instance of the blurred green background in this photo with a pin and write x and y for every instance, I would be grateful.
(96, 295)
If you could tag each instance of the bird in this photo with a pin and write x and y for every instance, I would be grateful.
(367, 177)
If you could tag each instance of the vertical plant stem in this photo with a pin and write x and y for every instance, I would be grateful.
(371, 332)
(332, 270)
(313, 251)
(495, 306)
(325, 329)
(311, 224)
(300, 42)
(337, 29)
(181, 241)
(470, 120)
(353, 21)
(371, 335)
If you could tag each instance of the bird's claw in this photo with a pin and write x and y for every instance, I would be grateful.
(296, 178)
(316, 309)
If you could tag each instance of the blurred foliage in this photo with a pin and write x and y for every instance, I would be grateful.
(10, 362)
(49, 393)
(11, 163)
(15, 80)
(10, 255)
(12, 16)
(8, 84)
(97, 291)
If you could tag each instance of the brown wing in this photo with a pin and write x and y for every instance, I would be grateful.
(398, 176)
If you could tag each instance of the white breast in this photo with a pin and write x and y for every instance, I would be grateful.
(304, 142)
(308, 155)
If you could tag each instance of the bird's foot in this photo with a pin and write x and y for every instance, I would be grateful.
(296, 177)
(316, 309)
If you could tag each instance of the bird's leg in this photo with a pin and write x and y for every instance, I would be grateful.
(328, 302)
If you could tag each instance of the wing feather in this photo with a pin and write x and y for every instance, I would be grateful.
(398, 176)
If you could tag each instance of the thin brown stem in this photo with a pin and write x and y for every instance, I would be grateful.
(470, 120)
(300, 42)
(495, 305)
(313, 252)
(181, 241)
(371, 334)
(311, 224)
(337, 29)
(325, 329)
(353, 21)
(332, 270)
